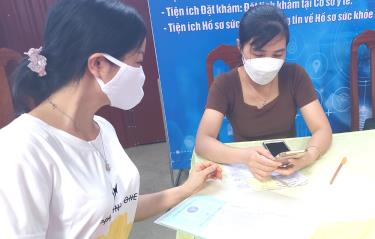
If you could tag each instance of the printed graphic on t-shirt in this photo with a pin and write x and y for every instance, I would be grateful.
(117, 221)
(118, 205)
(119, 228)
(114, 192)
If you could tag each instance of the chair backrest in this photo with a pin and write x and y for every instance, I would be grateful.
(230, 55)
(369, 124)
(6, 103)
(367, 38)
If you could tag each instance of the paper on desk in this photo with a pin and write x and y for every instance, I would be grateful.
(237, 175)
(258, 216)
(240, 176)
(192, 215)
(296, 179)
(240, 221)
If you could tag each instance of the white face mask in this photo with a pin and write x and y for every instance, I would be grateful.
(262, 70)
(125, 89)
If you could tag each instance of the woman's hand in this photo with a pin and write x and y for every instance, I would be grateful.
(300, 162)
(154, 203)
(199, 174)
(260, 162)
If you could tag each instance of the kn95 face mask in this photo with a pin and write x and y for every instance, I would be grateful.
(262, 70)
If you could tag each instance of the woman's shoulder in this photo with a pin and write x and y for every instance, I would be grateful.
(226, 80)
(23, 130)
(292, 68)
(294, 73)
(23, 141)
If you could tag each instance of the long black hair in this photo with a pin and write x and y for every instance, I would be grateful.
(75, 29)
(260, 24)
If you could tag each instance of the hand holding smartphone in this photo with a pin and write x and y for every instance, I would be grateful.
(280, 150)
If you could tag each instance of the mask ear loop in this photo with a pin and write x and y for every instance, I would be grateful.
(113, 60)
(121, 65)
(118, 62)
(243, 57)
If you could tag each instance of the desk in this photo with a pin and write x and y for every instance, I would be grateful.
(350, 201)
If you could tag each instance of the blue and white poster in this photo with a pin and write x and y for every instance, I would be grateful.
(322, 31)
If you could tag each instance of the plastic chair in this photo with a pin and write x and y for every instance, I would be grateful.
(229, 54)
(7, 56)
(367, 38)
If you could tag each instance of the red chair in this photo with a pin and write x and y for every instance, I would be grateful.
(229, 54)
(7, 57)
(367, 38)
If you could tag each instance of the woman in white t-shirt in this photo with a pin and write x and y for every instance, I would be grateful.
(63, 172)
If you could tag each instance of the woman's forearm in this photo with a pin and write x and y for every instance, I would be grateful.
(154, 203)
(212, 149)
(320, 141)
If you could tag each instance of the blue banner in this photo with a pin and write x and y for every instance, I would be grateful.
(185, 31)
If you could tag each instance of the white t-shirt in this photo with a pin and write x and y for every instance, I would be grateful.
(55, 185)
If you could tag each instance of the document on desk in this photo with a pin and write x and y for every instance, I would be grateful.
(192, 215)
(240, 176)
(208, 217)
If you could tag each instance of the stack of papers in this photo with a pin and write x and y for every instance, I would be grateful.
(240, 176)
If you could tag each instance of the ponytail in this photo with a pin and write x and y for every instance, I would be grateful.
(28, 88)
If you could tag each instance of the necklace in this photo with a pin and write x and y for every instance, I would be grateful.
(257, 99)
(54, 107)
(262, 104)
(107, 166)
(262, 101)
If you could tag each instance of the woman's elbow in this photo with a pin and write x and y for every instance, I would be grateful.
(199, 144)
(328, 130)
(202, 143)
(327, 134)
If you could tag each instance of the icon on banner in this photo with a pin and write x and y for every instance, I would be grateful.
(316, 65)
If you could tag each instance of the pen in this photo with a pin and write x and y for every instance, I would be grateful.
(343, 161)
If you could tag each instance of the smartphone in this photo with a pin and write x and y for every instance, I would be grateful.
(292, 153)
(276, 147)
(280, 150)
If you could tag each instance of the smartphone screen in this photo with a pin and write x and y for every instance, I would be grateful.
(276, 147)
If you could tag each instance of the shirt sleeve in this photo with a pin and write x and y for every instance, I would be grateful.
(304, 92)
(24, 193)
(218, 95)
